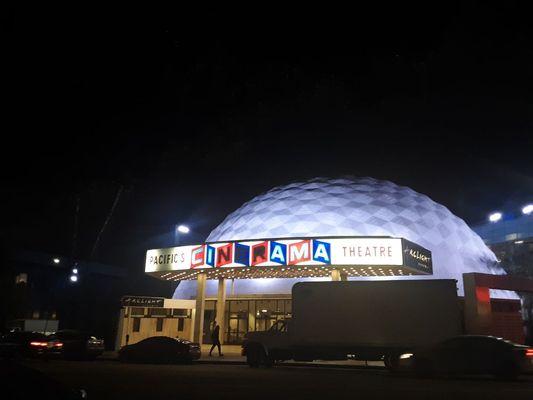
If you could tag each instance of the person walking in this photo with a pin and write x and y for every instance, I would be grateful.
(216, 340)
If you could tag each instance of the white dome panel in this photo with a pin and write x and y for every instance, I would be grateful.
(355, 207)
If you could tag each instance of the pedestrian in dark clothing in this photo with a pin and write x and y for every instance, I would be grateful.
(216, 340)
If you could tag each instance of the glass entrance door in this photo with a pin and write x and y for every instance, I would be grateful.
(209, 318)
(237, 321)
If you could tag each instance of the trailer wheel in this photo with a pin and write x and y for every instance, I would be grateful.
(253, 356)
(391, 362)
(507, 371)
(266, 360)
(423, 368)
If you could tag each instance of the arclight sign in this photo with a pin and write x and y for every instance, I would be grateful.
(327, 252)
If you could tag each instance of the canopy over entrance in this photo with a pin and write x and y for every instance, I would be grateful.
(291, 258)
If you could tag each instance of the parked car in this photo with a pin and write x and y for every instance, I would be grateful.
(23, 344)
(471, 354)
(160, 350)
(72, 344)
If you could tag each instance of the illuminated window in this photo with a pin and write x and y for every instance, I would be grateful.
(21, 278)
(181, 312)
(159, 312)
(137, 311)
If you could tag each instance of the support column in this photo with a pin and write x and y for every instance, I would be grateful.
(200, 308)
(221, 308)
(120, 329)
(344, 276)
(335, 275)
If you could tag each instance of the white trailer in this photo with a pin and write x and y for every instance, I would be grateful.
(367, 320)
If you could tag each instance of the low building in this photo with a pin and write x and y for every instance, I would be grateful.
(142, 317)
(47, 292)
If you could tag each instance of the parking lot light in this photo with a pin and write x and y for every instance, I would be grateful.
(495, 217)
(183, 229)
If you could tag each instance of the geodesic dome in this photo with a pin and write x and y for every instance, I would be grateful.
(356, 207)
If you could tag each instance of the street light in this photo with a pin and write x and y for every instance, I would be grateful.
(74, 270)
(180, 229)
(56, 260)
(495, 217)
(527, 209)
(73, 278)
(183, 229)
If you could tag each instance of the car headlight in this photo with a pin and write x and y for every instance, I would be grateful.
(405, 356)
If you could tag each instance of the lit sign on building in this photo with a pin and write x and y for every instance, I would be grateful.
(353, 251)
(142, 301)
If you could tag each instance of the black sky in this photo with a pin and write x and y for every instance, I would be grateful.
(193, 114)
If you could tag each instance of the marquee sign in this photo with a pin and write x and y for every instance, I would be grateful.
(338, 251)
(142, 301)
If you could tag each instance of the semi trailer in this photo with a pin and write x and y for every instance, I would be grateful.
(365, 320)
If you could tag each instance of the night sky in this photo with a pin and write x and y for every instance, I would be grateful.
(189, 115)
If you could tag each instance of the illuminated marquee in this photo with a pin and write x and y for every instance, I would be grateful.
(262, 253)
(291, 252)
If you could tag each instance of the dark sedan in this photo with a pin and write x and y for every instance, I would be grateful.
(23, 343)
(71, 344)
(472, 354)
(160, 350)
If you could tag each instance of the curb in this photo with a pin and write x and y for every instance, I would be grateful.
(219, 362)
(283, 364)
(296, 364)
(287, 364)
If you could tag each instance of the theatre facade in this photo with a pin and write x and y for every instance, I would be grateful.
(335, 258)
(321, 229)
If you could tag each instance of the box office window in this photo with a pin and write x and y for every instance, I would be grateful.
(159, 325)
(137, 311)
(181, 324)
(136, 324)
(181, 312)
(159, 312)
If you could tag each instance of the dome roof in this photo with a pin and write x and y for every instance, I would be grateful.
(362, 207)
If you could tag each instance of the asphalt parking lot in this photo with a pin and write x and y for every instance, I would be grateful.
(113, 380)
